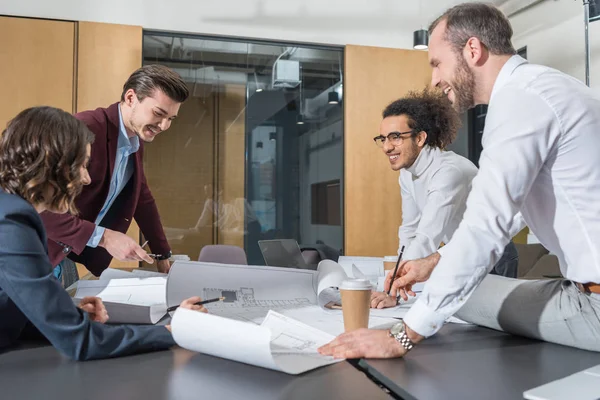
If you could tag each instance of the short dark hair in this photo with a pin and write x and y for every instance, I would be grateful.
(428, 110)
(43, 148)
(483, 21)
(144, 81)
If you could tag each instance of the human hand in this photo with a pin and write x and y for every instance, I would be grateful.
(409, 273)
(367, 343)
(190, 305)
(95, 308)
(382, 300)
(122, 247)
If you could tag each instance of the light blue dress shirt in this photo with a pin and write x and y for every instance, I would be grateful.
(122, 173)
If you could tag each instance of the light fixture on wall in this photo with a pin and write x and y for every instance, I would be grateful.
(334, 98)
(299, 120)
(273, 136)
(420, 39)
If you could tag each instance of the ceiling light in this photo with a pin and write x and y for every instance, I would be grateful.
(421, 39)
(333, 97)
(300, 120)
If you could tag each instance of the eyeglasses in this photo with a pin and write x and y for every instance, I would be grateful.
(395, 138)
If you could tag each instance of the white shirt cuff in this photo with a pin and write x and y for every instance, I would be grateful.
(442, 250)
(423, 320)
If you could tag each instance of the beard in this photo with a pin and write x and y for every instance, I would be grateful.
(463, 86)
(410, 154)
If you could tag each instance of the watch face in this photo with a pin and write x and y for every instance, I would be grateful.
(397, 329)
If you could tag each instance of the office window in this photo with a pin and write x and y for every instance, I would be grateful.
(262, 126)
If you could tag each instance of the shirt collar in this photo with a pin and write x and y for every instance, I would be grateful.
(506, 71)
(125, 142)
(423, 161)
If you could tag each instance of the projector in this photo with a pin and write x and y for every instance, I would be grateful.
(286, 74)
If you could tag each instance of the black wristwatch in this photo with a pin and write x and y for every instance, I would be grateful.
(160, 257)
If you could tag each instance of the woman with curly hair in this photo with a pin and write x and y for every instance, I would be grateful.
(44, 153)
(434, 183)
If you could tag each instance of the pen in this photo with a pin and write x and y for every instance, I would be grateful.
(173, 308)
(395, 270)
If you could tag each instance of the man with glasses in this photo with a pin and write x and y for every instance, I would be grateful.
(434, 183)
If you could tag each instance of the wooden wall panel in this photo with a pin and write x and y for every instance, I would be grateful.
(231, 162)
(106, 55)
(373, 78)
(36, 65)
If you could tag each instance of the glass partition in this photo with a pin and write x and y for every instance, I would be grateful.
(256, 152)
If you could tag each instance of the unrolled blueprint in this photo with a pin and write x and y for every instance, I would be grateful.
(279, 342)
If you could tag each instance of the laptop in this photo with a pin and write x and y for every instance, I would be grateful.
(283, 253)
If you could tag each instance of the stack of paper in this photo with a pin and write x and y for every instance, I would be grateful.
(128, 299)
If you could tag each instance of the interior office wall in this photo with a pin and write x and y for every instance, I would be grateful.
(553, 32)
(106, 55)
(373, 78)
(382, 23)
(37, 58)
(319, 162)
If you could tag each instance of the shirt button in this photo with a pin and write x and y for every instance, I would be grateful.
(433, 326)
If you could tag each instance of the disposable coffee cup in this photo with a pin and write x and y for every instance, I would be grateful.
(389, 262)
(356, 298)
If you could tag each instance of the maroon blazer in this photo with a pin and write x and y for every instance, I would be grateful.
(68, 234)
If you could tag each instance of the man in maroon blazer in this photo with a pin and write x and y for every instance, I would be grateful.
(119, 192)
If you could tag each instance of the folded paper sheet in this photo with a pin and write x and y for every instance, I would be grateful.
(279, 343)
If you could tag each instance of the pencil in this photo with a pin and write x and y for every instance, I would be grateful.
(395, 270)
(200, 303)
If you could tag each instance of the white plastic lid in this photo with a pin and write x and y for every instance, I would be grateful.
(390, 258)
(356, 284)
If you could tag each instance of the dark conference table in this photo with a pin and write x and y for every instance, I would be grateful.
(42, 373)
(470, 362)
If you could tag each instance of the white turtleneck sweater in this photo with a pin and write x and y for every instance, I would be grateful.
(434, 193)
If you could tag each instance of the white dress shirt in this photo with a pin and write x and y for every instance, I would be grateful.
(541, 150)
(434, 193)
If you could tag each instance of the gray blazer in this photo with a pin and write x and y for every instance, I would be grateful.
(31, 295)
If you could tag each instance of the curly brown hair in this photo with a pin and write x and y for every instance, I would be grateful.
(428, 110)
(42, 151)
